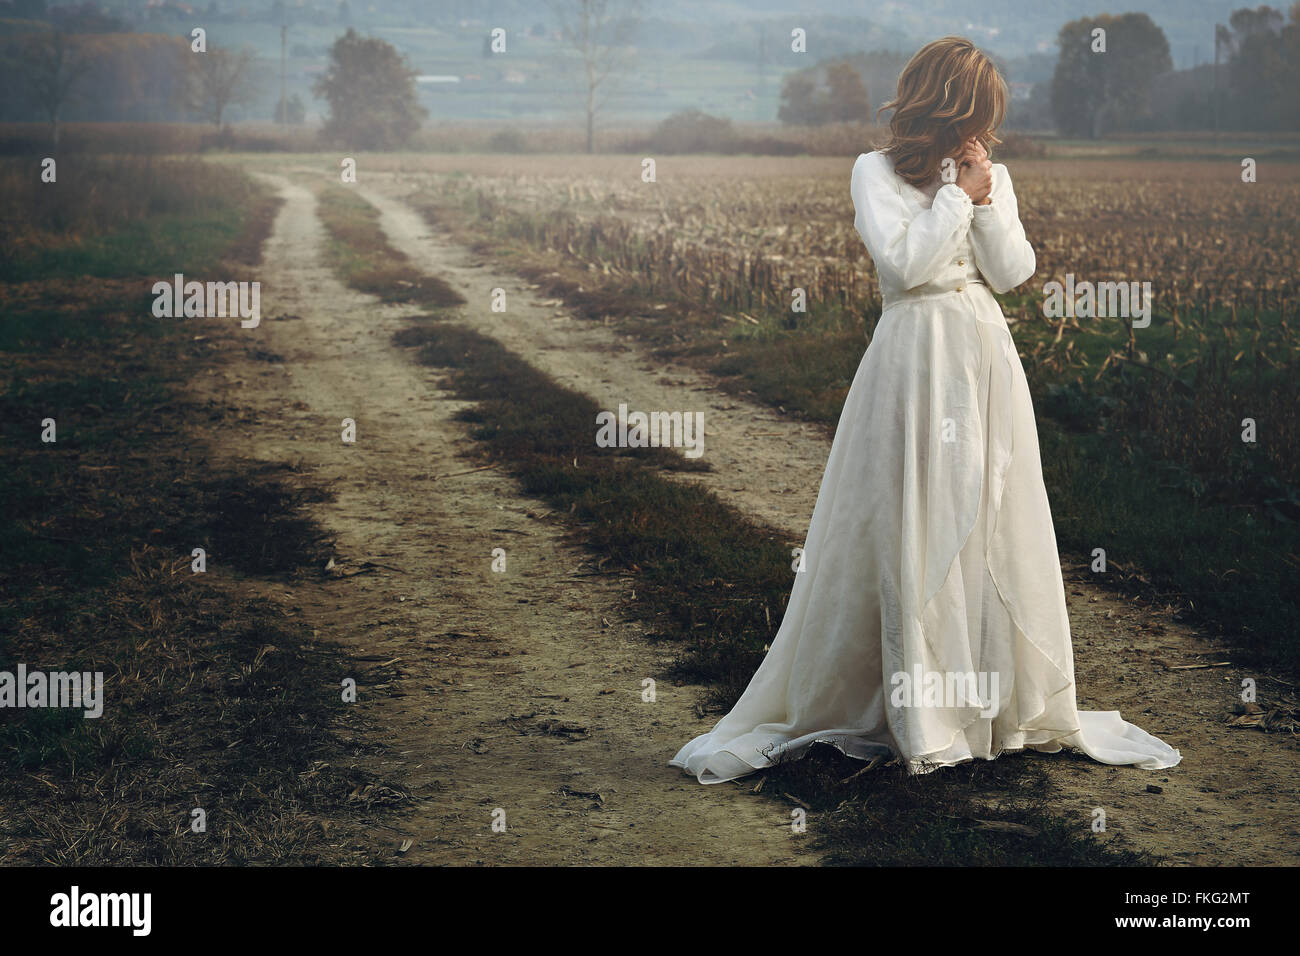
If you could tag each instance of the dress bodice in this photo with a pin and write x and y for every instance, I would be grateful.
(933, 240)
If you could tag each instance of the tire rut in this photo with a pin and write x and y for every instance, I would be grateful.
(518, 691)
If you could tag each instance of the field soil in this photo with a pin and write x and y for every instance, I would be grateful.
(522, 691)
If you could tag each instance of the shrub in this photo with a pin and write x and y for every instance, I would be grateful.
(508, 140)
(692, 131)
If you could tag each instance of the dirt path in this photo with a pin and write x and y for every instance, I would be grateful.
(519, 690)
(1233, 799)
(612, 368)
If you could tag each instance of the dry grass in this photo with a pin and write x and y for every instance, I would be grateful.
(741, 234)
(212, 702)
(115, 216)
(215, 697)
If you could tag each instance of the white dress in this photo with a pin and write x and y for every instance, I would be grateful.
(931, 559)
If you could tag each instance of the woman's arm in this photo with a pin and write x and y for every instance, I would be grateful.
(1002, 254)
(911, 249)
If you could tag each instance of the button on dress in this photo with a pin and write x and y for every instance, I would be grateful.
(931, 557)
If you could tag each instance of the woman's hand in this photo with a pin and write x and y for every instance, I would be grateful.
(974, 151)
(975, 174)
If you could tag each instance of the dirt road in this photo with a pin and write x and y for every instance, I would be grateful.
(516, 693)
(1233, 798)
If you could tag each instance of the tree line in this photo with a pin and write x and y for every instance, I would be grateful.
(1113, 74)
(148, 77)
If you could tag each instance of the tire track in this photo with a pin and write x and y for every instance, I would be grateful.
(519, 691)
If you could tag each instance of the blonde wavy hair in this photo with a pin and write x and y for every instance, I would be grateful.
(948, 92)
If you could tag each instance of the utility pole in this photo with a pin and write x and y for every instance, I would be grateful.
(284, 105)
(1216, 82)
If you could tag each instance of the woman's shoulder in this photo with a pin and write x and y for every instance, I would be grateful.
(876, 159)
(875, 164)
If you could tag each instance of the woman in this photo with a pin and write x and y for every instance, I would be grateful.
(929, 620)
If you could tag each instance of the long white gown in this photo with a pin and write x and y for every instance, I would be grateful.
(931, 549)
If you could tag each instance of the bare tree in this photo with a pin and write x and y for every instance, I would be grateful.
(54, 64)
(598, 32)
(219, 79)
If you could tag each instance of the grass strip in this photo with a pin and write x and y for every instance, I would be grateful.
(213, 700)
(361, 254)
